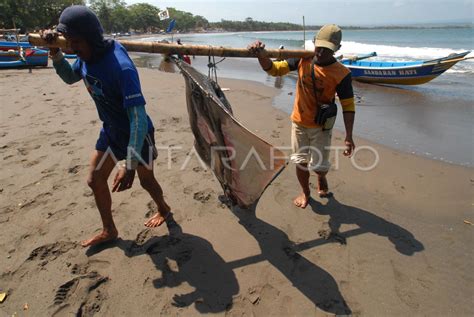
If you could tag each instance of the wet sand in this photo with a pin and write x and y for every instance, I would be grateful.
(392, 241)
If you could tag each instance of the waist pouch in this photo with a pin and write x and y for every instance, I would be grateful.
(326, 116)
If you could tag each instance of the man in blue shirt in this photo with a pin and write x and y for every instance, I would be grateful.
(127, 133)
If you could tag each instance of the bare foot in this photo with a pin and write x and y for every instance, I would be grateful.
(104, 236)
(323, 188)
(302, 200)
(157, 220)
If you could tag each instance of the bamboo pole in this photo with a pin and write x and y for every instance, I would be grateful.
(304, 34)
(165, 48)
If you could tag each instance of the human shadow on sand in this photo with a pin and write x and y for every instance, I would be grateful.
(403, 240)
(185, 258)
(214, 280)
(311, 280)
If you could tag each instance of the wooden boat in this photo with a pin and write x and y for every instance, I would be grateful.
(23, 58)
(9, 45)
(400, 73)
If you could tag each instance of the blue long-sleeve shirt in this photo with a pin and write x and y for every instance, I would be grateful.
(114, 85)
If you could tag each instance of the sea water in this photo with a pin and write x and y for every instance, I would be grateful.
(435, 120)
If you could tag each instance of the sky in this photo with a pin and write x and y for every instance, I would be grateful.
(317, 12)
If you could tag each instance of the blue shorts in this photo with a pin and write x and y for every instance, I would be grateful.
(119, 144)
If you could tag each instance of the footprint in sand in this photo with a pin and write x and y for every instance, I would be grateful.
(57, 132)
(60, 212)
(8, 145)
(26, 150)
(50, 252)
(275, 134)
(40, 199)
(62, 142)
(63, 291)
(4, 217)
(83, 295)
(84, 268)
(327, 234)
(175, 120)
(188, 190)
(137, 246)
(50, 169)
(35, 162)
(58, 187)
(203, 196)
(199, 169)
(143, 236)
(75, 169)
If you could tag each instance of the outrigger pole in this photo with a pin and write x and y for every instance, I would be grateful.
(304, 34)
(165, 48)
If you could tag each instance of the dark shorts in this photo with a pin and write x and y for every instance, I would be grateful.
(118, 146)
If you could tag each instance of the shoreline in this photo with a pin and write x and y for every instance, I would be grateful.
(391, 241)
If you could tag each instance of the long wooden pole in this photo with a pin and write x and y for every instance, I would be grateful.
(304, 34)
(198, 50)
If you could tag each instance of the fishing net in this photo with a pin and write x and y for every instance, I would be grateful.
(243, 163)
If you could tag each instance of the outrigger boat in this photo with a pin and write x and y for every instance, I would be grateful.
(400, 73)
(23, 58)
(16, 54)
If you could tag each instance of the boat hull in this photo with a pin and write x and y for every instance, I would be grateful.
(7, 45)
(32, 57)
(411, 73)
(13, 64)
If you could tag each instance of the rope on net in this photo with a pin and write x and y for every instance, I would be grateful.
(212, 67)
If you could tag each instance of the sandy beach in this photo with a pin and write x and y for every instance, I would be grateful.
(393, 241)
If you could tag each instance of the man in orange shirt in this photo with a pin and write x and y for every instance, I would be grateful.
(319, 80)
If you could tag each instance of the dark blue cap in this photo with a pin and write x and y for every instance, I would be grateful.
(80, 21)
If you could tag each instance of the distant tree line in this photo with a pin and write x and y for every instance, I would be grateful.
(29, 15)
(251, 25)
